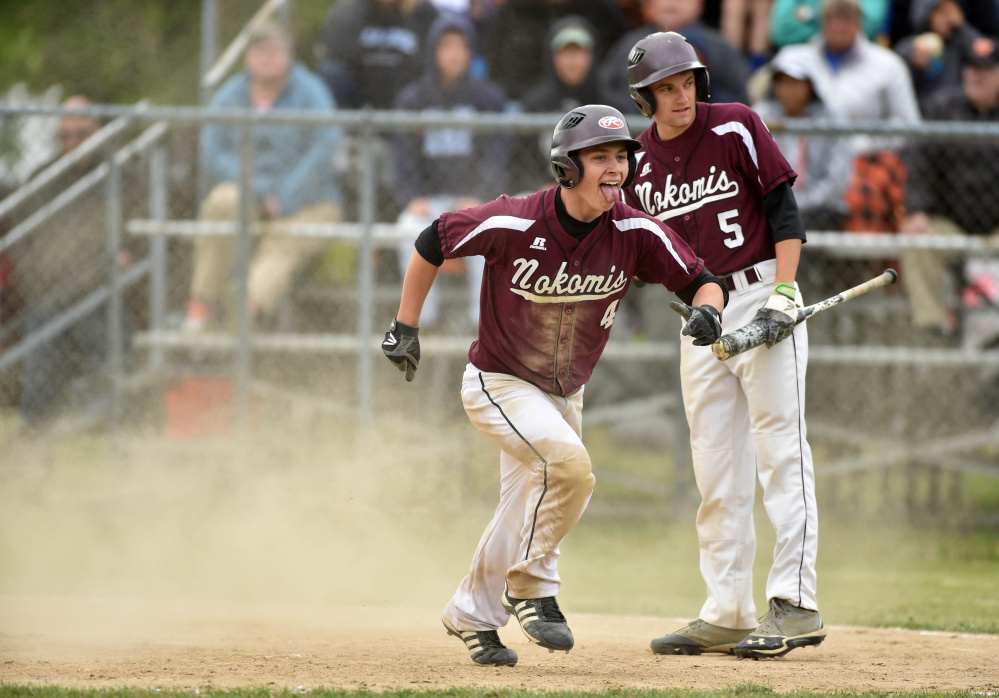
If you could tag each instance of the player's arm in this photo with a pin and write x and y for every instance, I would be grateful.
(788, 230)
(402, 344)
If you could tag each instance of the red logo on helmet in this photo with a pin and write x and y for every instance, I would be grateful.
(611, 122)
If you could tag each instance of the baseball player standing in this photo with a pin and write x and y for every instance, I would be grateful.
(557, 264)
(713, 173)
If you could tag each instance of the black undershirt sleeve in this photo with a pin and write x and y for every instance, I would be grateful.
(428, 244)
(783, 215)
(687, 293)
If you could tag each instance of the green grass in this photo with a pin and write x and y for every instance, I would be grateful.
(747, 690)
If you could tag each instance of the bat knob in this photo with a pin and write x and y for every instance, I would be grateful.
(893, 274)
(721, 349)
(681, 309)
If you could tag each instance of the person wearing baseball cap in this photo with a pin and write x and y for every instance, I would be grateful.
(951, 186)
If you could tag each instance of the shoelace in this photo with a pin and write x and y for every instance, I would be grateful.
(549, 610)
(769, 624)
(489, 640)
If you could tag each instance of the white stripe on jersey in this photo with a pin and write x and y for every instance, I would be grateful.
(567, 298)
(634, 223)
(492, 222)
(747, 137)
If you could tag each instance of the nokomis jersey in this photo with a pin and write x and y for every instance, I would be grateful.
(548, 300)
(708, 184)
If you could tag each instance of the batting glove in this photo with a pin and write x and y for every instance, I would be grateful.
(704, 325)
(780, 314)
(402, 347)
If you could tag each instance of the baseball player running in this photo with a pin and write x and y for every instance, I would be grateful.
(713, 173)
(558, 263)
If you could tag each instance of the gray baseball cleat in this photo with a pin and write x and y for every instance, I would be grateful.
(541, 620)
(783, 628)
(484, 646)
(699, 637)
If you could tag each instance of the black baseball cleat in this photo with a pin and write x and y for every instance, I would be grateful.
(541, 620)
(484, 646)
(785, 627)
(699, 637)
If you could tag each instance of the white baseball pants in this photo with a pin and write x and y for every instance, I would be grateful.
(747, 419)
(545, 485)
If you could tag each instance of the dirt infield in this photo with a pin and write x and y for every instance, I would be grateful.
(104, 642)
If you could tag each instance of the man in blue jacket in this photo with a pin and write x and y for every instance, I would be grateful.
(293, 178)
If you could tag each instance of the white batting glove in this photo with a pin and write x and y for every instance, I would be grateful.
(780, 314)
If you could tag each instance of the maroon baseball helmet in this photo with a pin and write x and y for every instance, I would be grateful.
(658, 56)
(583, 127)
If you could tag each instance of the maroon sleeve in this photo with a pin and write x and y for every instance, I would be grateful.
(481, 230)
(663, 256)
(770, 168)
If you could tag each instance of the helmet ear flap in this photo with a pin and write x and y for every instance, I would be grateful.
(701, 81)
(568, 170)
(632, 168)
(643, 99)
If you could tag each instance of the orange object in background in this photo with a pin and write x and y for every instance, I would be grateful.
(200, 407)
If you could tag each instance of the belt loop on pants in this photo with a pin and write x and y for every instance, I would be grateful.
(743, 279)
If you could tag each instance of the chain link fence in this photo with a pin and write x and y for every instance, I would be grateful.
(105, 321)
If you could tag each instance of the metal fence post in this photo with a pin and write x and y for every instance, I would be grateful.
(366, 279)
(158, 210)
(115, 309)
(244, 243)
(209, 40)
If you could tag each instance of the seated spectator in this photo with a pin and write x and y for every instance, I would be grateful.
(448, 169)
(56, 267)
(865, 82)
(822, 162)
(798, 21)
(293, 180)
(746, 23)
(903, 17)
(952, 185)
(725, 62)
(515, 46)
(370, 49)
(934, 54)
(570, 81)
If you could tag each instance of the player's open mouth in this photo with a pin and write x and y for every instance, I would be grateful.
(611, 191)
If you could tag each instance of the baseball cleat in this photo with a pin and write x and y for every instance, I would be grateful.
(484, 646)
(699, 637)
(541, 620)
(784, 628)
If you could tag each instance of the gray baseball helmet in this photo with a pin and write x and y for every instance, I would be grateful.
(658, 56)
(583, 127)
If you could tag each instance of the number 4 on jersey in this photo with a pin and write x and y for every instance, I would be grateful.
(731, 227)
(608, 319)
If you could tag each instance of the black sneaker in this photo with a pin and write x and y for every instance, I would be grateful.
(783, 628)
(484, 646)
(541, 620)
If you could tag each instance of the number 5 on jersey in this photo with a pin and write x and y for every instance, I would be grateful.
(729, 226)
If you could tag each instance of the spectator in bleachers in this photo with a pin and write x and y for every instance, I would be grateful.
(865, 82)
(903, 17)
(448, 169)
(293, 179)
(515, 46)
(569, 81)
(370, 49)
(746, 23)
(935, 52)
(953, 186)
(725, 62)
(822, 162)
(798, 21)
(55, 268)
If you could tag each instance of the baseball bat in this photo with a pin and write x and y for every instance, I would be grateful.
(754, 334)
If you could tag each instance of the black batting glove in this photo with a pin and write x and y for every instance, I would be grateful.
(704, 325)
(402, 347)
